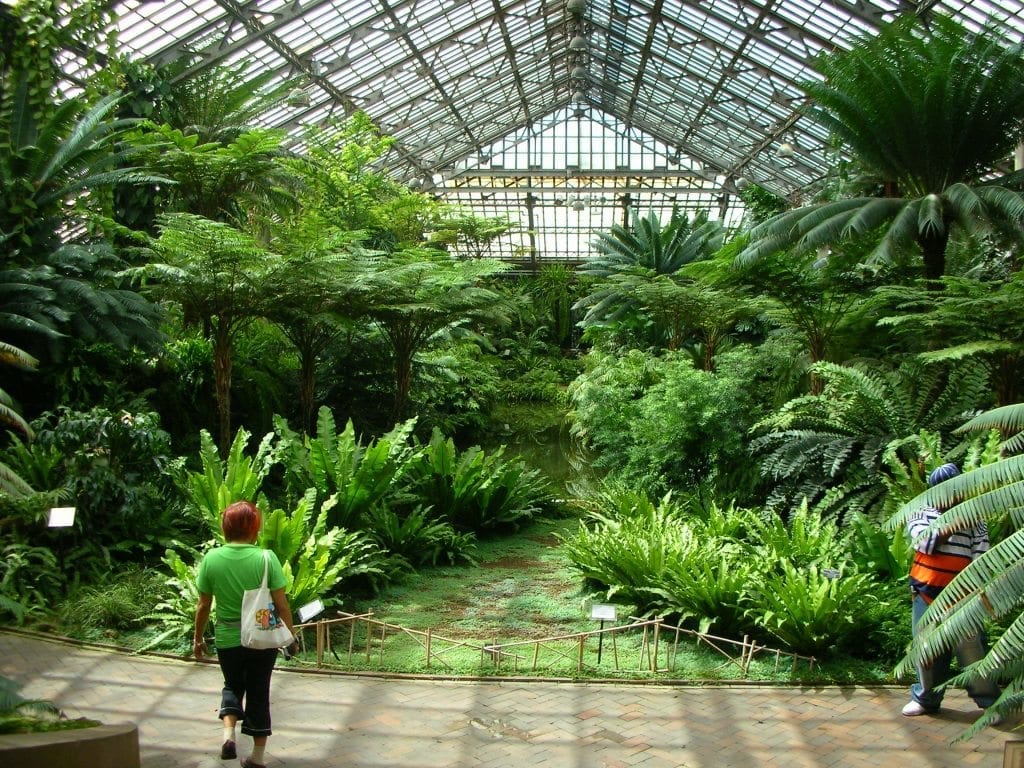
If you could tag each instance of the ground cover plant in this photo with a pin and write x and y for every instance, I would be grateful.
(21, 715)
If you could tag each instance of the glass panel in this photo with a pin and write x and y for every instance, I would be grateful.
(715, 80)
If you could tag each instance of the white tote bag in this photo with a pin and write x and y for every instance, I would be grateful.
(261, 628)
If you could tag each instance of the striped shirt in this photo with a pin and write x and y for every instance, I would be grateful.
(936, 562)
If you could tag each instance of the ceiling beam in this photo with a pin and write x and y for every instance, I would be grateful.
(645, 55)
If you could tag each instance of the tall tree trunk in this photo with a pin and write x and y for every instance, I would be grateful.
(222, 382)
(403, 344)
(711, 341)
(933, 249)
(307, 387)
(403, 382)
(816, 347)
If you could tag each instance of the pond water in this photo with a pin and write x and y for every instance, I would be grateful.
(539, 435)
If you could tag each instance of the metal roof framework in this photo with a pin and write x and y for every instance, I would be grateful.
(517, 107)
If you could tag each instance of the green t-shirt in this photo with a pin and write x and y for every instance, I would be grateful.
(226, 572)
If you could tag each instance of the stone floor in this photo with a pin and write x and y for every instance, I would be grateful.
(339, 720)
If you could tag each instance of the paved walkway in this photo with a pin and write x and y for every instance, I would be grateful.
(328, 721)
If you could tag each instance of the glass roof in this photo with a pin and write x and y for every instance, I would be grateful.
(704, 92)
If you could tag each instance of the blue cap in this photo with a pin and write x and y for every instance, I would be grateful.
(943, 473)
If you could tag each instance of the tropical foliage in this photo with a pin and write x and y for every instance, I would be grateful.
(217, 274)
(58, 282)
(417, 295)
(476, 491)
(835, 448)
(753, 426)
(661, 423)
(629, 257)
(926, 110)
(356, 477)
(732, 571)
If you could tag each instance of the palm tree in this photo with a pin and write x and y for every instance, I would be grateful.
(631, 256)
(59, 162)
(54, 280)
(928, 110)
(989, 589)
(11, 483)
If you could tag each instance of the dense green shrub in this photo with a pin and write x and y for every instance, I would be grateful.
(314, 556)
(30, 578)
(175, 608)
(626, 544)
(709, 587)
(875, 550)
(413, 538)
(117, 470)
(836, 448)
(453, 390)
(120, 601)
(660, 423)
(606, 402)
(810, 610)
(886, 626)
(339, 465)
(219, 483)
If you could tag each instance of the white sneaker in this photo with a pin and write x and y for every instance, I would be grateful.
(913, 709)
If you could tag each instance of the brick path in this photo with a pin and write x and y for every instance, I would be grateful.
(336, 720)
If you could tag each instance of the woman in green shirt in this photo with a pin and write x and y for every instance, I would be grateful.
(224, 574)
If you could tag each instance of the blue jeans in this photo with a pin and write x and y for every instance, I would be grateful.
(247, 679)
(927, 692)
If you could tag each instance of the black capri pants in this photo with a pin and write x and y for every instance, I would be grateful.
(246, 691)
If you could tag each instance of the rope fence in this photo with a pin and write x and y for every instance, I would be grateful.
(366, 638)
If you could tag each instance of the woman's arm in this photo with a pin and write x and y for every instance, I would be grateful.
(202, 616)
(284, 613)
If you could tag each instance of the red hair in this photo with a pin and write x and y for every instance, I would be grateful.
(240, 521)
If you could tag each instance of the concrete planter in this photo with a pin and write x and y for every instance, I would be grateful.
(104, 746)
(1013, 754)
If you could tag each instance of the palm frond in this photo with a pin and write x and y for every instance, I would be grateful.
(1007, 419)
(972, 497)
(991, 587)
